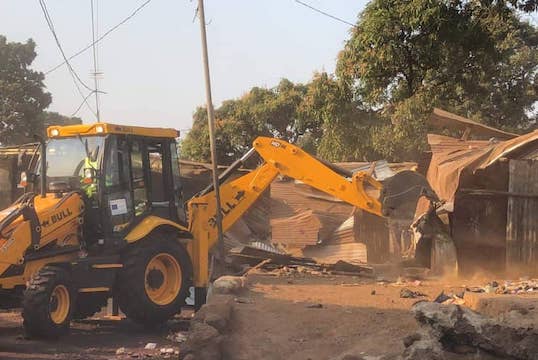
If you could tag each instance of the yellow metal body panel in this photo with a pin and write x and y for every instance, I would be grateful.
(107, 266)
(296, 163)
(93, 289)
(105, 128)
(148, 225)
(236, 196)
(32, 267)
(59, 220)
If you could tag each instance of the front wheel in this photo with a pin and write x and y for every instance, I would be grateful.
(155, 278)
(48, 303)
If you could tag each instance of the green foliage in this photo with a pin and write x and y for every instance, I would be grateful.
(474, 58)
(22, 95)
(336, 120)
(260, 112)
(470, 58)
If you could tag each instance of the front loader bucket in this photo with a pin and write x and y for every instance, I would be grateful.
(401, 192)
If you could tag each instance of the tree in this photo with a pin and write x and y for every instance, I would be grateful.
(474, 58)
(260, 112)
(338, 124)
(22, 95)
(405, 57)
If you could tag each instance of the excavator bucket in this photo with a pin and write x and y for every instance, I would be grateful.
(401, 192)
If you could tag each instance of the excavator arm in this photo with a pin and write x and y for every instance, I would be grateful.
(237, 196)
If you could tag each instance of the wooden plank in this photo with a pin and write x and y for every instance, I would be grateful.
(522, 219)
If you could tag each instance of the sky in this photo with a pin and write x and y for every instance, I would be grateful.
(152, 65)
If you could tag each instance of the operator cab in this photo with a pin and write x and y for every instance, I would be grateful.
(126, 173)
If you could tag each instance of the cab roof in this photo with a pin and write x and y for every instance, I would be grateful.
(106, 128)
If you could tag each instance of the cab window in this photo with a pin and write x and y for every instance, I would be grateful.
(140, 196)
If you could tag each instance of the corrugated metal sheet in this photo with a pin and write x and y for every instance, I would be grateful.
(344, 234)
(354, 253)
(373, 231)
(449, 161)
(296, 231)
(445, 119)
(382, 169)
(289, 199)
(522, 217)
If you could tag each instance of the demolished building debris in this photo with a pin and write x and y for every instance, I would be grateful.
(488, 187)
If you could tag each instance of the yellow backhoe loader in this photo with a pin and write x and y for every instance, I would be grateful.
(104, 218)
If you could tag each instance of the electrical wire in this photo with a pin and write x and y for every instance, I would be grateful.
(82, 103)
(72, 72)
(100, 38)
(325, 13)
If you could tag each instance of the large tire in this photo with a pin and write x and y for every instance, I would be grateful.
(48, 303)
(89, 304)
(155, 279)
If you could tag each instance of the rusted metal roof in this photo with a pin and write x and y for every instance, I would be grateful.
(296, 231)
(450, 157)
(353, 253)
(444, 119)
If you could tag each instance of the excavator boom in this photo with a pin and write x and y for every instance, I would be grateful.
(238, 195)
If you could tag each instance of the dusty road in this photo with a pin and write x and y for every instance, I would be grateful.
(90, 340)
(278, 317)
(313, 317)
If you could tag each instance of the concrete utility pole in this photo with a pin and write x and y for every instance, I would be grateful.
(211, 122)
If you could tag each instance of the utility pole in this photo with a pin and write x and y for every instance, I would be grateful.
(95, 73)
(211, 123)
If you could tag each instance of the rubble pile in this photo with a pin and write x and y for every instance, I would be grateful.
(208, 329)
(524, 285)
(449, 330)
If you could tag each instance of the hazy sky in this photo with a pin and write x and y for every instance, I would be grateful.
(152, 64)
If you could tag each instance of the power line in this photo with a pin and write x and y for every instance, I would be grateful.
(101, 37)
(51, 27)
(82, 103)
(74, 75)
(325, 13)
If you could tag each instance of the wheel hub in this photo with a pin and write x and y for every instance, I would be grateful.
(155, 278)
(59, 304)
(163, 279)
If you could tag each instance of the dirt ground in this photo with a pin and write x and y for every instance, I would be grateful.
(300, 316)
(89, 339)
(323, 317)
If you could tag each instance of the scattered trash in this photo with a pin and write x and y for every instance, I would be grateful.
(150, 346)
(120, 351)
(372, 292)
(409, 294)
(177, 337)
(315, 306)
(508, 287)
(441, 298)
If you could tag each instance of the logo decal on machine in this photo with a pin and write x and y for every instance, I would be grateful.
(228, 206)
(57, 217)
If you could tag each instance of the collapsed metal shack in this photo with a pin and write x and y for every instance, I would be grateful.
(491, 193)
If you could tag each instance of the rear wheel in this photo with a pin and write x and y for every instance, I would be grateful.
(48, 303)
(155, 279)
